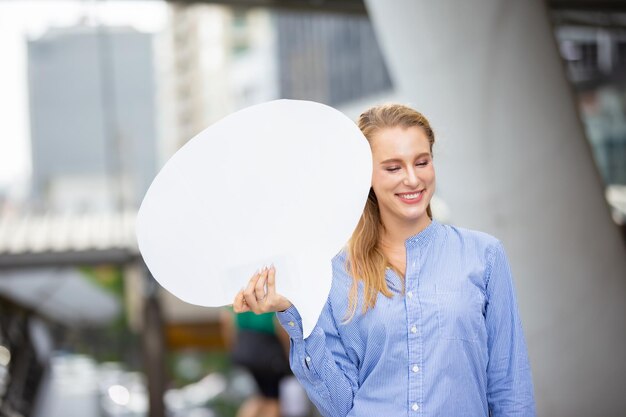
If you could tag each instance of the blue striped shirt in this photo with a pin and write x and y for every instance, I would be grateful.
(450, 344)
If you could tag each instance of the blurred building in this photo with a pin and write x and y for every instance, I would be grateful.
(217, 60)
(92, 117)
(222, 59)
(593, 48)
(329, 58)
(595, 58)
(94, 148)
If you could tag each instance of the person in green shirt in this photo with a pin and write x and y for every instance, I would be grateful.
(260, 346)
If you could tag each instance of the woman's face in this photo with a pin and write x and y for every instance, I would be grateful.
(403, 176)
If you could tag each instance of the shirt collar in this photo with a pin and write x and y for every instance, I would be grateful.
(421, 241)
(423, 238)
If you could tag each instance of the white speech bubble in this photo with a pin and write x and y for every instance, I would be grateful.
(283, 182)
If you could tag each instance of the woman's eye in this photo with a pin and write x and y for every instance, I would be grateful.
(422, 163)
(392, 169)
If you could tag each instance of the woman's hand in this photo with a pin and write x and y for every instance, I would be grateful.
(254, 298)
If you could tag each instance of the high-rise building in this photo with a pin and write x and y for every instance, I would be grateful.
(330, 58)
(92, 117)
(220, 60)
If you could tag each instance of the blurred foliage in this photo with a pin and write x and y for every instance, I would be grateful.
(206, 361)
(108, 277)
(114, 341)
(224, 407)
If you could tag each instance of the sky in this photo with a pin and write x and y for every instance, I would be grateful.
(23, 19)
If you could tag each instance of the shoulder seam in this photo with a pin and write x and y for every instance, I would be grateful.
(491, 258)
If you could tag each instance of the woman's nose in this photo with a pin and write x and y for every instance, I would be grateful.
(410, 178)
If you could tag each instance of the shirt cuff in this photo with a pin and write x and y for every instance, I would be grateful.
(291, 321)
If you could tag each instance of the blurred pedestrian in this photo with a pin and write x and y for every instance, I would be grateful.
(260, 346)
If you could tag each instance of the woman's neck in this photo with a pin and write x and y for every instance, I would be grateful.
(392, 242)
(394, 235)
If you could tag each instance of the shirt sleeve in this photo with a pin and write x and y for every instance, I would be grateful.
(509, 381)
(320, 362)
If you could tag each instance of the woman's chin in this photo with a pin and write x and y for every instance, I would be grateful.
(414, 216)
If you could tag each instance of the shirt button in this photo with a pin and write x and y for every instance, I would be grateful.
(409, 294)
(308, 359)
(291, 323)
(416, 368)
(413, 329)
(415, 407)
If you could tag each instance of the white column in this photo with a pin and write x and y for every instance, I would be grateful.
(512, 160)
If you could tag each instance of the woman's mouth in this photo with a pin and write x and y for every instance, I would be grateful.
(411, 198)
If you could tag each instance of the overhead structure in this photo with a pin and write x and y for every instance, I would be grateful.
(595, 5)
(358, 6)
(342, 6)
(67, 239)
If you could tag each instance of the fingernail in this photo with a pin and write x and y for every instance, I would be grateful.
(272, 266)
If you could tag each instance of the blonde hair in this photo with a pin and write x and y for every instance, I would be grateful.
(366, 260)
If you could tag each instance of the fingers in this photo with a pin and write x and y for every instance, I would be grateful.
(240, 305)
(249, 293)
(259, 295)
(259, 287)
(271, 281)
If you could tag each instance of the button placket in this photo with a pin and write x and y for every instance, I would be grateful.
(413, 309)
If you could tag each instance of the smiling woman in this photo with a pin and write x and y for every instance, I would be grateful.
(422, 317)
(403, 183)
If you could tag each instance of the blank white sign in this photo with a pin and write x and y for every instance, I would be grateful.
(282, 182)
